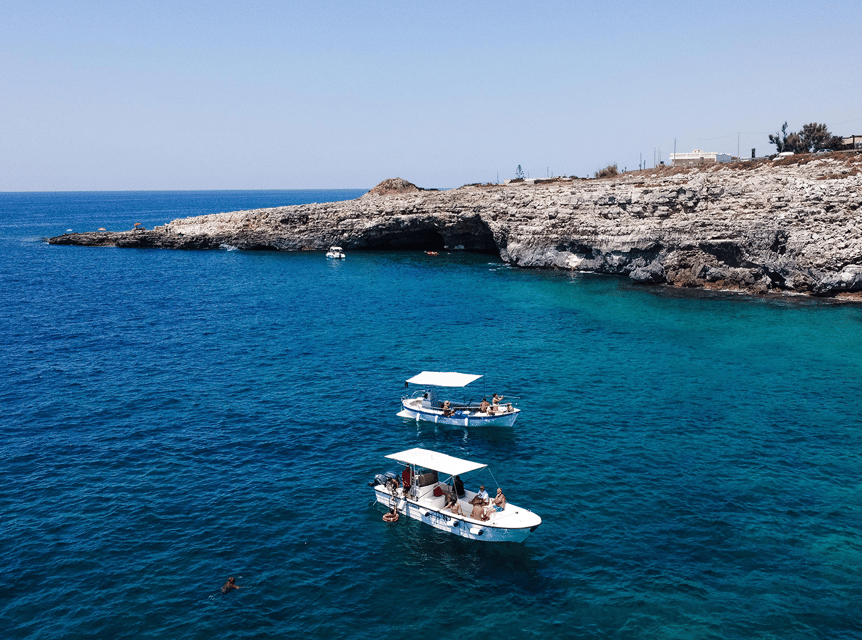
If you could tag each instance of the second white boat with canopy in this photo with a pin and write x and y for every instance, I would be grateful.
(431, 404)
(431, 480)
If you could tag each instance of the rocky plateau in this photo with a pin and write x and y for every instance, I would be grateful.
(787, 226)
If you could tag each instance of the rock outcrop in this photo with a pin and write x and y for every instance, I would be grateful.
(793, 225)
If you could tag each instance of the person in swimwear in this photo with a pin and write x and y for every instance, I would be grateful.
(478, 512)
(393, 485)
(453, 506)
(499, 502)
(230, 585)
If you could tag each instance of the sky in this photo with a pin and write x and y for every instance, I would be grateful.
(339, 94)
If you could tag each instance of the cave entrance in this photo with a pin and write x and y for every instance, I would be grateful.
(473, 235)
(421, 240)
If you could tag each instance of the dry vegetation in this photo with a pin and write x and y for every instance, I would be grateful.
(845, 163)
(609, 171)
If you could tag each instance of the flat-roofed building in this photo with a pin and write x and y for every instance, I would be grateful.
(852, 142)
(697, 157)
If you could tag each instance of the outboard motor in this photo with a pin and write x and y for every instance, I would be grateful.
(382, 478)
(378, 480)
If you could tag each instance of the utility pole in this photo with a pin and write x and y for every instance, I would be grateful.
(737, 145)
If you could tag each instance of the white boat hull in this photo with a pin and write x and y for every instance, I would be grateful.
(412, 409)
(430, 511)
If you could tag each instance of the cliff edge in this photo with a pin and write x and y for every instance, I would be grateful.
(793, 225)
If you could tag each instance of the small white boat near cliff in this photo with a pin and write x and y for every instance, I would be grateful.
(429, 404)
(336, 253)
(420, 493)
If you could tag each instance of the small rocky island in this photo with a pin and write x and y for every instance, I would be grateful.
(792, 225)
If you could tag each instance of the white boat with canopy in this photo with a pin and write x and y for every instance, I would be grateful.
(431, 404)
(336, 253)
(430, 480)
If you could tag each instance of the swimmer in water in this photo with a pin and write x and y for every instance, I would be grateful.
(230, 584)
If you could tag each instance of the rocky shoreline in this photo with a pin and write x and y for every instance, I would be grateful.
(788, 226)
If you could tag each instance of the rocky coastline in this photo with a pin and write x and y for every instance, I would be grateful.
(787, 226)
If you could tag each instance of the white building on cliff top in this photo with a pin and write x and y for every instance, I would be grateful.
(697, 157)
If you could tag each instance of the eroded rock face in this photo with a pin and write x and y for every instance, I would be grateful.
(793, 225)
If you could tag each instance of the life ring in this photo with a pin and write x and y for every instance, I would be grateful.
(390, 517)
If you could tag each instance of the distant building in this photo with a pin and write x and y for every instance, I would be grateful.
(697, 157)
(852, 142)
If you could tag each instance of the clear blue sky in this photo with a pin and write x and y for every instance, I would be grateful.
(288, 95)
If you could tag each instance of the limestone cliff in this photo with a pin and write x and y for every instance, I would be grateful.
(792, 225)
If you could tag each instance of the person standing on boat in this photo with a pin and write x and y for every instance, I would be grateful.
(393, 485)
(496, 399)
(459, 486)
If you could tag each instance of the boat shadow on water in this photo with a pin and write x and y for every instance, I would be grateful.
(412, 548)
(428, 430)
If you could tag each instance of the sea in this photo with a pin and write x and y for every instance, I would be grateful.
(169, 419)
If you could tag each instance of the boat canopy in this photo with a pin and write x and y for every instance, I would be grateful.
(444, 378)
(439, 462)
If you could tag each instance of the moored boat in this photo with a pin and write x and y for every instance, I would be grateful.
(429, 404)
(430, 480)
(336, 253)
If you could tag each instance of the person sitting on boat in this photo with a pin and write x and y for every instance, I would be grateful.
(447, 409)
(483, 408)
(483, 495)
(499, 502)
(478, 512)
(509, 407)
(453, 506)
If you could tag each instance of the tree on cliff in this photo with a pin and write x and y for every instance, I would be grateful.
(813, 137)
(779, 139)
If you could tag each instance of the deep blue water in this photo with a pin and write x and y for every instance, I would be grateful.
(173, 418)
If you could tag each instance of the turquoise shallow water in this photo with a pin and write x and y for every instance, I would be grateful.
(172, 418)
